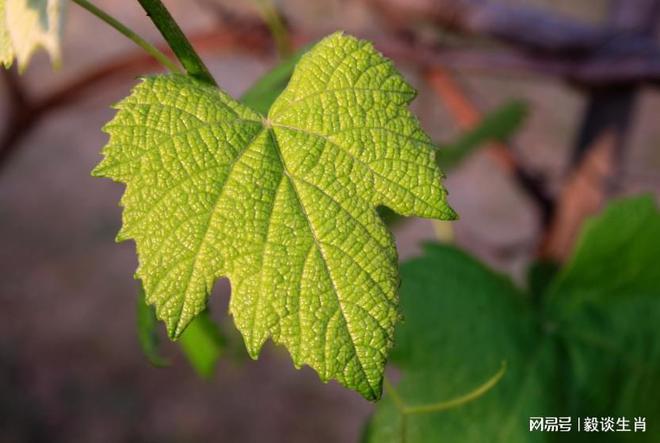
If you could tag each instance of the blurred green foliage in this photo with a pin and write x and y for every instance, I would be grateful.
(498, 125)
(147, 330)
(265, 90)
(590, 348)
(202, 342)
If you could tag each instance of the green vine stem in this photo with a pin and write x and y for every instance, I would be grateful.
(124, 30)
(177, 40)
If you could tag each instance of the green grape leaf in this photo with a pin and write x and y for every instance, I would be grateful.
(283, 205)
(606, 305)
(540, 274)
(461, 322)
(592, 349)
(613, 254)
(26, 25)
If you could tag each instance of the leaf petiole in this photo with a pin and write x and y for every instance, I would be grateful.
(177, 40)
(459, 401)
(131, 35)
(392, 392)
(444, 405)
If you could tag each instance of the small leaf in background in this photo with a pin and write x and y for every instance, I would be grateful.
(592, 350)
(147, 328)
(27, 25)
(498, 125)
(203, 344)
(263, 93)
(281, 204)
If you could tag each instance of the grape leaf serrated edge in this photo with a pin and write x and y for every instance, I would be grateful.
(344, 98)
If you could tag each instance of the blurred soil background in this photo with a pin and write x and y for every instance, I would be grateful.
(71, 369)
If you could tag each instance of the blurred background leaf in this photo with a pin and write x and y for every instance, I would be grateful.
(605, 305)
(498, 125)
(461, 320)
(202, 342)
(264, 91)
(147, 330)
(591, 349)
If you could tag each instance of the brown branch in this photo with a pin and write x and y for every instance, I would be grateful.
(601, 141)
(542, 41)
(582, 196)
(465, 113)
(527, 28)
(600, 71)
